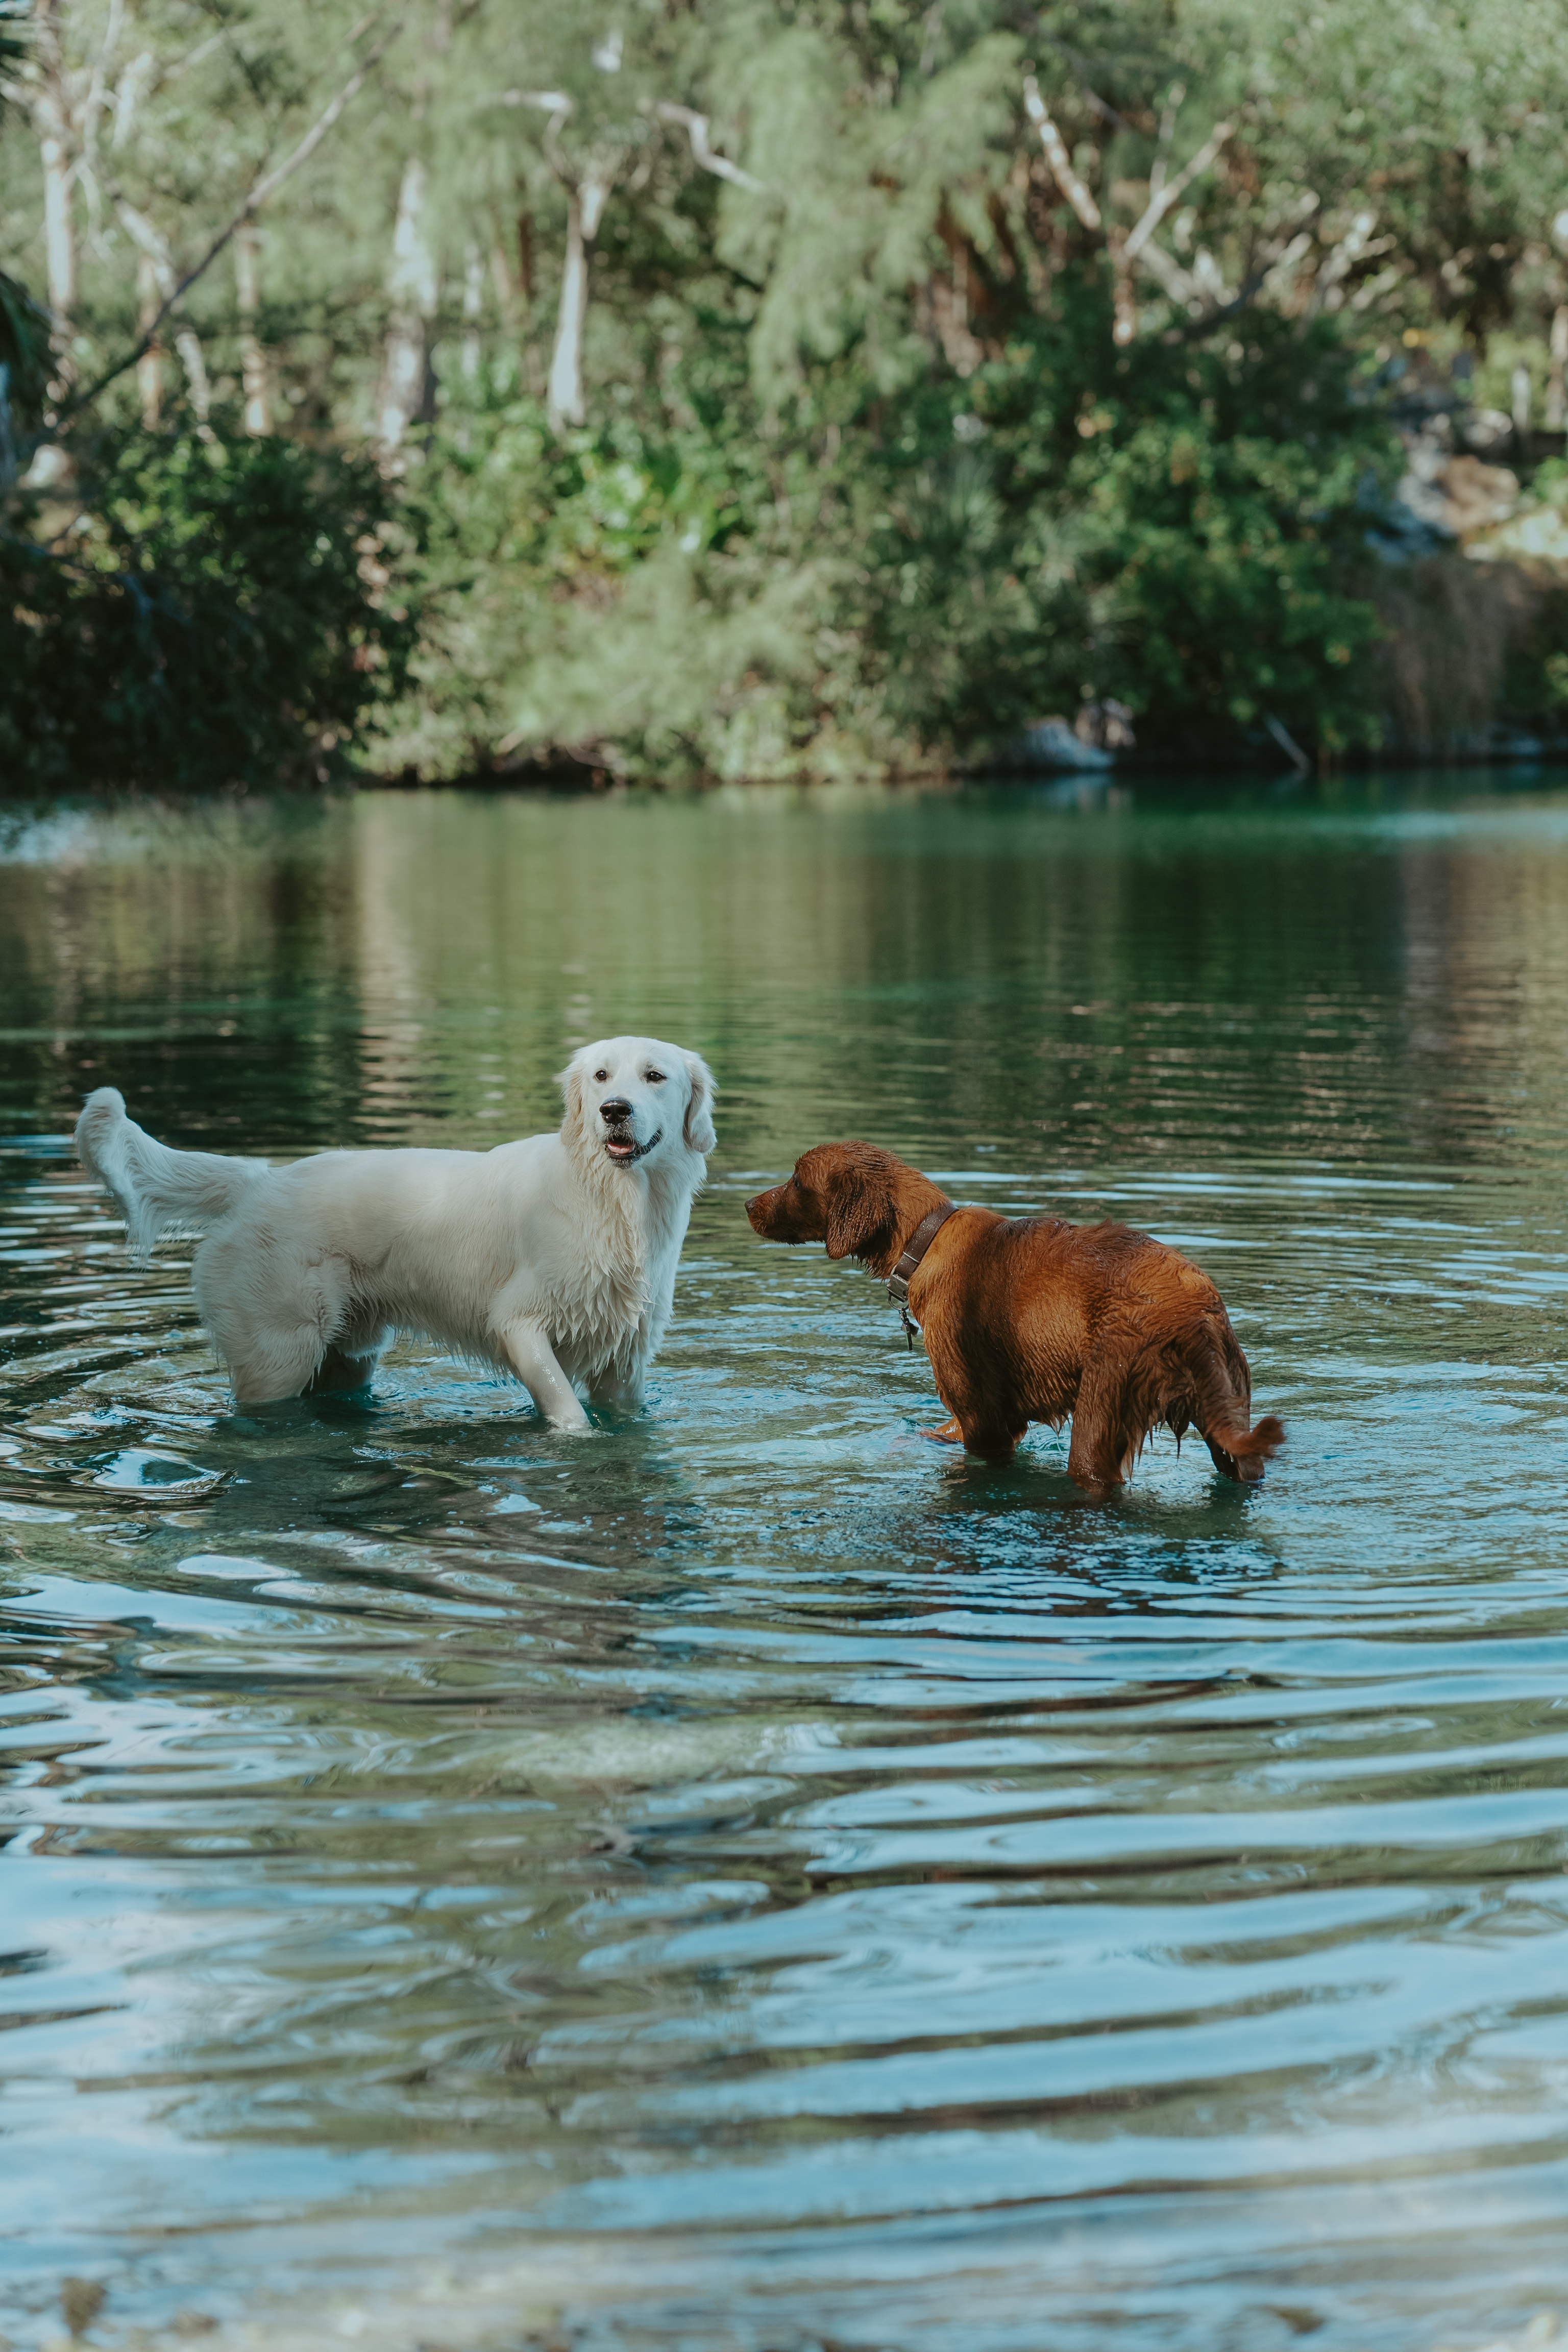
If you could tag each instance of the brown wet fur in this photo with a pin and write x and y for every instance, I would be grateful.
(1030, 1319)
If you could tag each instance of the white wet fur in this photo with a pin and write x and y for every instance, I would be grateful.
(549, 1258)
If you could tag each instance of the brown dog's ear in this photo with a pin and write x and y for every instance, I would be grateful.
(860, 1213)
(699, 1135)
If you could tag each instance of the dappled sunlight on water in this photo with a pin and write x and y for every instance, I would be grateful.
(797, 1882)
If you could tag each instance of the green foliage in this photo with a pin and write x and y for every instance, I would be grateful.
(1177, 527)
(223, 616)
(613, 592)
(890, 449)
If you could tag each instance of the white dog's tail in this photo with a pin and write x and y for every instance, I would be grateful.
(156, 1191)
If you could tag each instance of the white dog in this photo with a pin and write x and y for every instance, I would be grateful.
(553, 1257)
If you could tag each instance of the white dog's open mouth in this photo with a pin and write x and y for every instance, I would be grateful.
(621, 1147)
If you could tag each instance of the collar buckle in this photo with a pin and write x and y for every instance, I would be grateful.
(909, 1263)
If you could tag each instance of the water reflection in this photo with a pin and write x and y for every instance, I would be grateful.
(794, 1883)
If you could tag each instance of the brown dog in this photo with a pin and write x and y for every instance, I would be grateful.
(1027, 1318)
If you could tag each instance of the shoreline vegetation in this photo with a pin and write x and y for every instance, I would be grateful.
(777, 391)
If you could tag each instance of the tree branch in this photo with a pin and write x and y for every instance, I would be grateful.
(1177, 282)
(1056, 155)
(1195, 328)
(264, 188)
(1075, 63)
(1172, 108)
(560, 108)
(696, 128)
(551, 101)
(1161, 200)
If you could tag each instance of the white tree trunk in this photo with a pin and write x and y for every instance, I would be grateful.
(51, 118)
(189, 348)
(584, 210)
(150, 366)
(412, 285)
(252, 353)
(1556, 404)
(473, 309)
(60, 228)
(154, 284)
(1520, 388)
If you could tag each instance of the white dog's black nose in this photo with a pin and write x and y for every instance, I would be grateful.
(615, 1110)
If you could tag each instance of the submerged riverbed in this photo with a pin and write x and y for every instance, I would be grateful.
(750, 1878)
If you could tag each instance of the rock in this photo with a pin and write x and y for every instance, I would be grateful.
(1540, 535)
(1477, 494)
(1051, 744)
(81, 2300)
(1487, 429)
(1106, 726)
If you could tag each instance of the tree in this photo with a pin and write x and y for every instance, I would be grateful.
(783, 385)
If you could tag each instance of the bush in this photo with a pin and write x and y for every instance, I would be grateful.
(203, 614)
(1180, 528)
(888, 575)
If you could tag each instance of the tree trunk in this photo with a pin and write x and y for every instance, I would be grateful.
(150, 366)
(8, 468)
(252, 353)
(154, 284)
(584, 210)
(1123, 300)
(51, 117)
(1519, 389)
(412, 286)
(1556, 405)
(60, 229)
(189, 348)
(473, 309)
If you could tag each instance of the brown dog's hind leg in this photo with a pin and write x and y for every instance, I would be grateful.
(1095, 1460)
(988, 1439)
(1101, 1451)
(991, 1441)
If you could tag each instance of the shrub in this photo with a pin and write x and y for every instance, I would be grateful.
(1181, 527)
(203, 614)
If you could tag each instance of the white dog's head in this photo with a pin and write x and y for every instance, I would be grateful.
(631, 1099)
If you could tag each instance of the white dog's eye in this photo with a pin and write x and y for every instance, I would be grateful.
(599, 1076)
(654, 1078)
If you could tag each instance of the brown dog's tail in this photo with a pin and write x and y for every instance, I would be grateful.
(1249, 1449)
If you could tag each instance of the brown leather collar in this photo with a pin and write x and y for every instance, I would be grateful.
(915, 1248)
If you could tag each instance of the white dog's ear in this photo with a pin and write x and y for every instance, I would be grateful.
(699, 1135)
(570, 1081)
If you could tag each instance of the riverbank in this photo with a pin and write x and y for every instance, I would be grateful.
(1469, 668)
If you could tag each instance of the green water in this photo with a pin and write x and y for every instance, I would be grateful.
(767, 1879)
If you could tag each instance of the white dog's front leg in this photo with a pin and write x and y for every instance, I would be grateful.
(532, 1359)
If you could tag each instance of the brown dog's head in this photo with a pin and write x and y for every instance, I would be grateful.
(849, 1195)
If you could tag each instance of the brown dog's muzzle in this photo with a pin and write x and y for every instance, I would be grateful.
(781, 1215)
